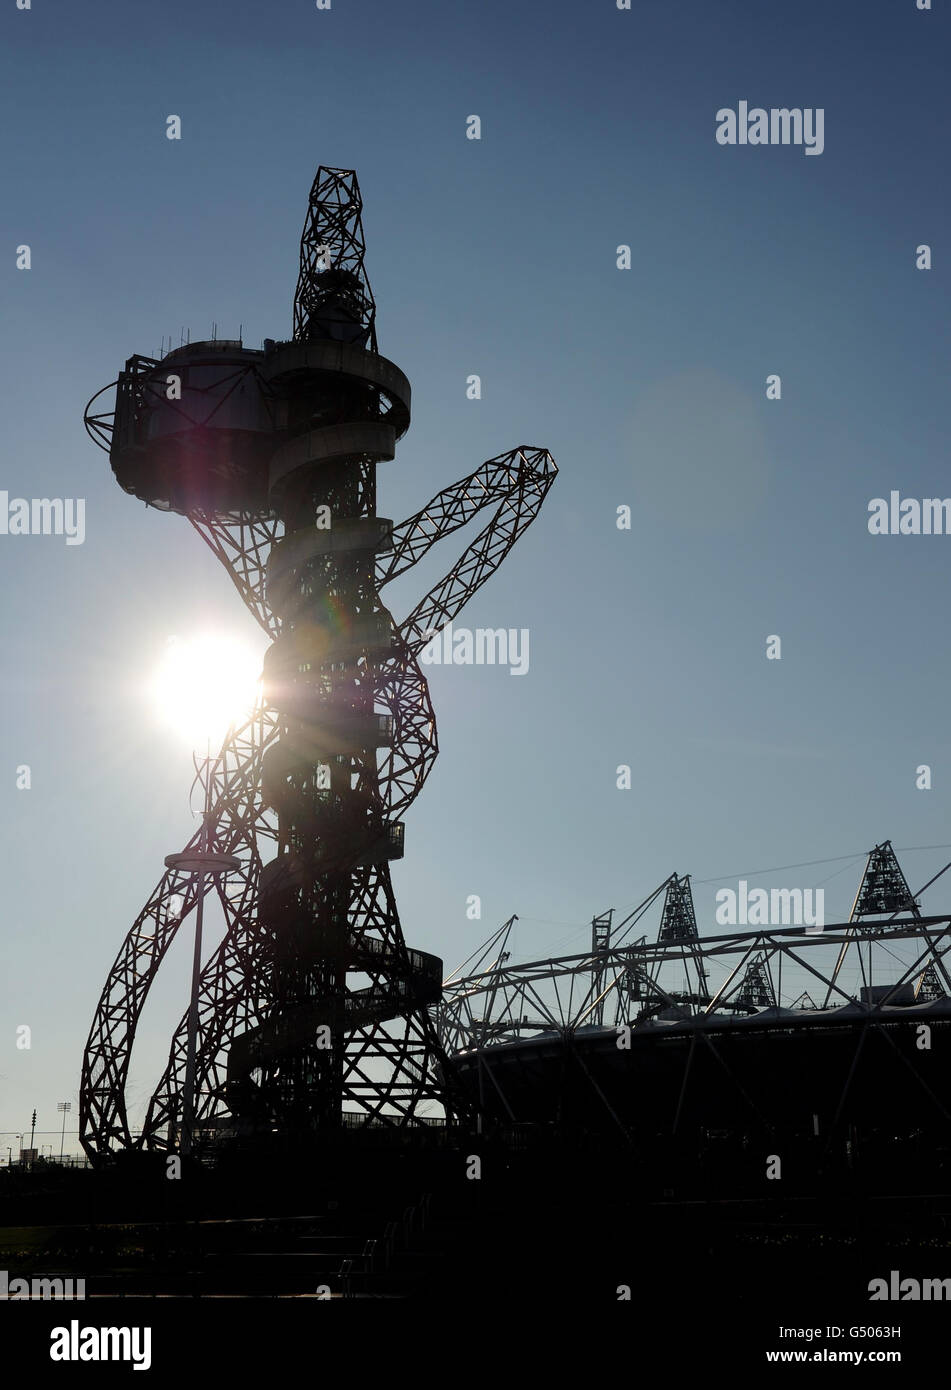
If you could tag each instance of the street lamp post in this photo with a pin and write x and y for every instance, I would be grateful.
(198, 862)
(65, 1106)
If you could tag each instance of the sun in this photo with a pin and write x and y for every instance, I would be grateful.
(202, 684)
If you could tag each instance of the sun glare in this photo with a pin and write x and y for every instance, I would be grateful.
(203, 684)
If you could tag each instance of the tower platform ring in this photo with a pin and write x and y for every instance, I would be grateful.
(197, 861)
(302, 359)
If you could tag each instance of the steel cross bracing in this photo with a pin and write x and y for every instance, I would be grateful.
(618, 984)
(267, 988)
(517, 482)
(511, 1002)
(239, 825)
(243, 546)
(333, 245)
(883, 890)
(554, 1002)
(230, 1001)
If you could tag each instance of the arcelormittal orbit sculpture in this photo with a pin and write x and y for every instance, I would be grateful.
(312, 1013)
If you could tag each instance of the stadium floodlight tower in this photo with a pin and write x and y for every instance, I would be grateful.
(312, 1013)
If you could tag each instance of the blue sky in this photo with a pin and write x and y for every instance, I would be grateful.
(496, 257)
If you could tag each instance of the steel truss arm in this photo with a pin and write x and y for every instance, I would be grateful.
(242, 545)
(518, 481)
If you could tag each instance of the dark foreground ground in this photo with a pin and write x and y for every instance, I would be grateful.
(692, 1264)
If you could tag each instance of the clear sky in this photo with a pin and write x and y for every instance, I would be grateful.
(495, 257)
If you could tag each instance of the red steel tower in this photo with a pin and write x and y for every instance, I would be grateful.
(312, 1013)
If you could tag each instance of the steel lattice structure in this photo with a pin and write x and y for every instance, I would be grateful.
(312, 1012)
(521, 1030)
(626, 978)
